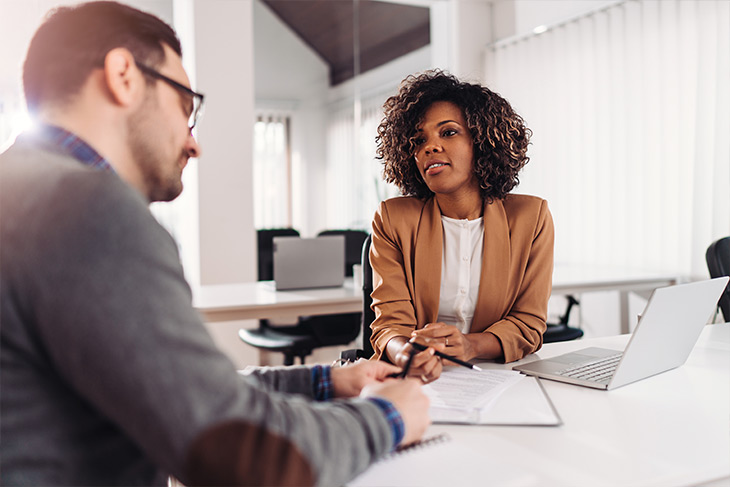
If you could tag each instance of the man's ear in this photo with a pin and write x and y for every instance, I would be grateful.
(123, 79)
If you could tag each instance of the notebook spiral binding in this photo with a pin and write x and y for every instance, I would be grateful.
(419, 445)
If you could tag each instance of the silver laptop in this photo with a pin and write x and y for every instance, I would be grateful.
(302, 263)
(663, 339)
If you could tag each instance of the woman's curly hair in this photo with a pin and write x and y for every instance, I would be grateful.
(499, 134)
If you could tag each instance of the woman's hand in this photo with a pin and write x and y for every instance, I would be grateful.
(425, 365)
(454, 342)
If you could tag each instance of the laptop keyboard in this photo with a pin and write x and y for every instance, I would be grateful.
(599, 370)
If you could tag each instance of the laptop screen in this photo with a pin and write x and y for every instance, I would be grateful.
(301, 263)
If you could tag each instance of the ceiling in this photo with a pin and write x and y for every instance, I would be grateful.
(386, 31)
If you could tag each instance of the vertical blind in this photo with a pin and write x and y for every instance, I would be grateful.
(354, 176)
(272, 172)
(630, 108)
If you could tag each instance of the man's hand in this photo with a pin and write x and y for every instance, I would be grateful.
(349, 380)
(410, 401)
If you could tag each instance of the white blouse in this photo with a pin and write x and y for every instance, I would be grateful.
(460, 271)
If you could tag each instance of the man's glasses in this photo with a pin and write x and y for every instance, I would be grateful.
(197, 98)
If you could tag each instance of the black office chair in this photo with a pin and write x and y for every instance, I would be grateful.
(368, 315)
(560, 331)
(340, 329)
(718, 263)
(292, 341)
(309, 332)
(354, 240)
(265, 246)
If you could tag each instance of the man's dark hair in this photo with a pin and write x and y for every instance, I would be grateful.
(75, 40)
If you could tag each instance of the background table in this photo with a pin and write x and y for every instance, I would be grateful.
(574, 279)
(259, 300)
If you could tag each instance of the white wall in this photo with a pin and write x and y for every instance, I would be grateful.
(227, 237)
(286, 69)
(291, 77)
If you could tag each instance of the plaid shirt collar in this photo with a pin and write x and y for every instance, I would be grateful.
(66, 142)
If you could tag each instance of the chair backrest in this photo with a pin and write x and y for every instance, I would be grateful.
(266, 249)
(353, 246)
(718, 263)
(368, 315)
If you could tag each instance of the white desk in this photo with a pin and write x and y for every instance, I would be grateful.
(582, 279)
(672, 429)
(258, 300)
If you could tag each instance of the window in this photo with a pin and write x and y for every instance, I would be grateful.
(272, 172)
(355, 183)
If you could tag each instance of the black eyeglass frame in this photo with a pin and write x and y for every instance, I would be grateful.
(197, 108)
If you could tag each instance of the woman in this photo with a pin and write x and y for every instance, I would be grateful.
(458, 262)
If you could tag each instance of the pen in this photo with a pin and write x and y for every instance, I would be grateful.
(421, 348)
(403, 373)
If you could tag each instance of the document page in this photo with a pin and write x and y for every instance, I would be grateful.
(466, 389)
(490, 397)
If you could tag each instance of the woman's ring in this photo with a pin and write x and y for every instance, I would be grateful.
(447, 341)
(424, 379)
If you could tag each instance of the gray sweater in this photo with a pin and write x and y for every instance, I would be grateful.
(108, 376)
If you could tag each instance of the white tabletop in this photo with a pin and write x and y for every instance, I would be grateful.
(672, 429)
(258, 300)
(576, 279)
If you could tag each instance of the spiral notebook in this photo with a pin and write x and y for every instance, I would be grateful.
(398, 466)
(426, 463)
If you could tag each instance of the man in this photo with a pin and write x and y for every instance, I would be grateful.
(107, 374)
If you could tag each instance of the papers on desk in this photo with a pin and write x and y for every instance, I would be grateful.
(464, 396)
(496, 397)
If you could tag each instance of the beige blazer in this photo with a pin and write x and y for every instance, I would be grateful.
(515, 282)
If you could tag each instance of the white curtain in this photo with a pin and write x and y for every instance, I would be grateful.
(272, 172)
(354, 176)
(630, 108)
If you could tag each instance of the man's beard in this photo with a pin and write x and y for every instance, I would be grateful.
(162, 183)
